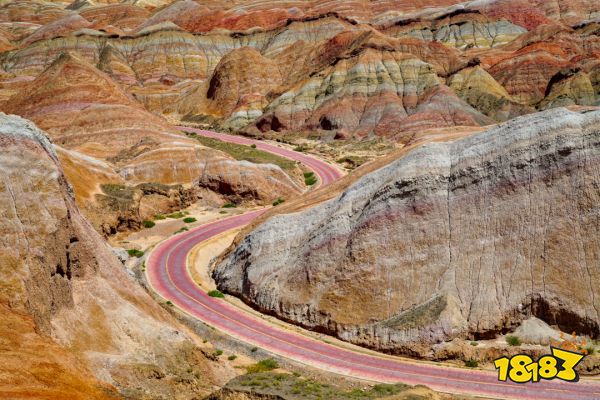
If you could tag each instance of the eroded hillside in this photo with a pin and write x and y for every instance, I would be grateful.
(463, 239)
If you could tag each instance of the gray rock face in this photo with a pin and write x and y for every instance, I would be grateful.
(461, 239)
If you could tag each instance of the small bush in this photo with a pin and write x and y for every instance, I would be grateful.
(176, 215)
(471, 363)
(184, 229)
(169, 303)
(253, 145)
(218, 352)
(310, 178)
(263, 366)
(159, 217)
(232, 357)
(222, 212)
(254, 349)
(189, 220)
(228, 205)
(278, 201)
(135, 253)
(216, 293)
(474, 343)
(513, 341)
(148, 224)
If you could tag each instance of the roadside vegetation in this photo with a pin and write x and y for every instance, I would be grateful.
(189, 220)
(310, 178)
(294, 386)
(135, 253)
(265, 365)
(247, 153)
(278, 201)
(216, 293)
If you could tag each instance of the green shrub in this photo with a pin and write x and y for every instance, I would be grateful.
(471, 363)
(278, 201)
(169, 302)
(159, 217)
(232, 357)
(222, 212)
(218, 352)
(253, 145)
(254, 349)
(228, 205)
(310, 178)
(590, 350)
(135, 253)
(183, 229)
(263, 366)
(176, 215)
(148, 224)
(189, 220)
(513, 341)
(474, 343)
(216, 293)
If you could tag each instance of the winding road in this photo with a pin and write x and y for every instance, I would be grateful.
(168, 274)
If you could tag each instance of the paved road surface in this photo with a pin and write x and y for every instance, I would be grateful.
(168, 274)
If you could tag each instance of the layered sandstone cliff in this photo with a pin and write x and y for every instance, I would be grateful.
(75, 324)
(461, 239)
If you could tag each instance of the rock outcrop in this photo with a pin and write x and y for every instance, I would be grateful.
(74, 323)
(461, 239)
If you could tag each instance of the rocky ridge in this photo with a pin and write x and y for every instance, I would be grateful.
(461, 239)
(77, 325)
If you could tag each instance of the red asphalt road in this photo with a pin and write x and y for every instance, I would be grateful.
(168, 274)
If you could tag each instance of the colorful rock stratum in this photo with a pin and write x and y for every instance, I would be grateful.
(463, 239)
(486, 215)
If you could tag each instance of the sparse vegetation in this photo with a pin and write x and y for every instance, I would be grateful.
(513, 341)
(254, 349)
(228, 205)
(253, 145)
(265, 365)
(148, 224)
(183, 229)
(189, 220)
(176, 215)
(216, 293)
(135, 253)
(471, 363)
(278, 201)
(474, 343)
(294, 386)
(590, 350)
(169, 303)
(158, 217)
(247, 153)
(232, 357)
(218, 352)
(222, 212)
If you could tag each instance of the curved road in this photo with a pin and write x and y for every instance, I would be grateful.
(168, 274)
